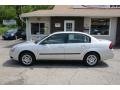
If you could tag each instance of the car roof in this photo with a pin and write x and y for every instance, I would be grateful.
(71, 32)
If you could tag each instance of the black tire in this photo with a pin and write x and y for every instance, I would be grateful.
(30, 61)
(91, 62)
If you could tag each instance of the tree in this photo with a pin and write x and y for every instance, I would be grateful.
(28, 8)
(14, 11)
(18, 9)
(7, 12)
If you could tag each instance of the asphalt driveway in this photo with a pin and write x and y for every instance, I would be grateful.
(56, 72)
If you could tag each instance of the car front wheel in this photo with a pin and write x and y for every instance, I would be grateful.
(27, 58)
(91, 59)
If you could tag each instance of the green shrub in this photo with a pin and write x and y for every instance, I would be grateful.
(3, 30)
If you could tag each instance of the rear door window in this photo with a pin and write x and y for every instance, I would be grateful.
(78, 38)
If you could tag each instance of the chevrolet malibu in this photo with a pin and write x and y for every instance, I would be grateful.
(63, 46)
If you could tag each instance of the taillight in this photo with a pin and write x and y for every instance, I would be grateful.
(110, 46)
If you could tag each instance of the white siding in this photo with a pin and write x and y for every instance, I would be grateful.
(86, 24)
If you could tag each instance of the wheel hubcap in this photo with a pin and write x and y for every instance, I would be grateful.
(26, 59)
(91, 59)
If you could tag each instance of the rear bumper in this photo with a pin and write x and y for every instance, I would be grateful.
(108, 55)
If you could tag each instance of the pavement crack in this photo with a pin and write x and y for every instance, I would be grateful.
(16, 82)
(25, 70)
(75, 73)
(19, 81)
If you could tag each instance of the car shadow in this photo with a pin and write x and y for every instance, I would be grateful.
(54, 64)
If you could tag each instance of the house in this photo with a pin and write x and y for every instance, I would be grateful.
(102, 22)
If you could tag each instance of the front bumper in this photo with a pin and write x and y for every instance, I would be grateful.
(13, 55)
(8, 37)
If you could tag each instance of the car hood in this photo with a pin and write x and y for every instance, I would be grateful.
(7, 34)
(27, 43)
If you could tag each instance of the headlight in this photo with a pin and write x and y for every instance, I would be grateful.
(12, 34)
(12, 49)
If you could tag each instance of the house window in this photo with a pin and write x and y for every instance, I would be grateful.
(100, 26)
(37, 28)
(114, 6)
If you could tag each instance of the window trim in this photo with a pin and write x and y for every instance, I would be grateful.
(69, 21)
(66, 42)
(39, 26)
(54, 43)
(78, 42)
(100, 18)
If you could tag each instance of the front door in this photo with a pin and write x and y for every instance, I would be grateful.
(52, 47)
(51, 51)
(69, 25)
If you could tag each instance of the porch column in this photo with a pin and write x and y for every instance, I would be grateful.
(28, 31)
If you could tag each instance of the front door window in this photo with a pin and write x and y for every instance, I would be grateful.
(56, 39)
(69, 25)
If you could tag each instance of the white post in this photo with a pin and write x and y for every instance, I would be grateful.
(28, 32)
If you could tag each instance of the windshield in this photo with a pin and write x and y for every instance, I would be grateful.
(12, 31)
(40, 39)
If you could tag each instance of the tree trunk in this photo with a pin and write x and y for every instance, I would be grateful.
(18, 12)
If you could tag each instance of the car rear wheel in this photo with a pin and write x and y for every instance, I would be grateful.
(91, 59)
(27, 58)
